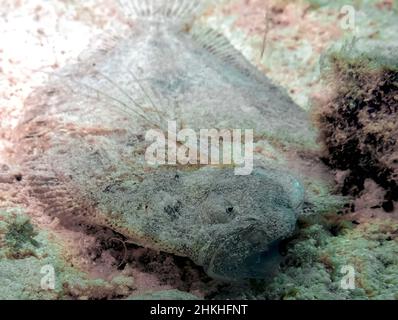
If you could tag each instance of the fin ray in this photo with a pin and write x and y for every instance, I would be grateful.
(175, 11)
(216, 43)
(219, 46)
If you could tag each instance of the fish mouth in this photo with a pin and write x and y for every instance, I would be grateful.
(247, 253)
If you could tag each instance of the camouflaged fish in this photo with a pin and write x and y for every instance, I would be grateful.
(82, 144)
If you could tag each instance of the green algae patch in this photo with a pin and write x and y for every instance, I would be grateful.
(361, 55)
(30, 261)
(20, 238)
(34, 265)
(317, 264)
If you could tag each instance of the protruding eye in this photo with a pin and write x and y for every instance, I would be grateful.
(217, 209)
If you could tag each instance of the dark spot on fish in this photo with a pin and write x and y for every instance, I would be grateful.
(108, 188)
(173, 210)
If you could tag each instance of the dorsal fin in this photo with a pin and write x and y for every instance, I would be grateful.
(177, 12)
(218, 45)
(215, 43)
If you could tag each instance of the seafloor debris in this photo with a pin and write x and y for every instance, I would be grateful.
(358, 122)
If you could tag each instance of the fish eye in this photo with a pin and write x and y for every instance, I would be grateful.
(229, 209)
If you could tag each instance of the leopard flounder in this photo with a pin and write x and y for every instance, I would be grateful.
(82, 144)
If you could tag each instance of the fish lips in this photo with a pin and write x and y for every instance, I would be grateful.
(245, 253)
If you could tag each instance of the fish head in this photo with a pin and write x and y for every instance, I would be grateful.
(242, 221)
(230, 225)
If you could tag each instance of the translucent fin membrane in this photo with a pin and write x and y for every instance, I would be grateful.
(174, 11)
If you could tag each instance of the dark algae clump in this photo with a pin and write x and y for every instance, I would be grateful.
(358, 124)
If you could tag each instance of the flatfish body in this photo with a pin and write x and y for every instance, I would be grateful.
(82, 144)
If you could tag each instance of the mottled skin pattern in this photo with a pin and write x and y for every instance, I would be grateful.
(216, 218)
(82, 146)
